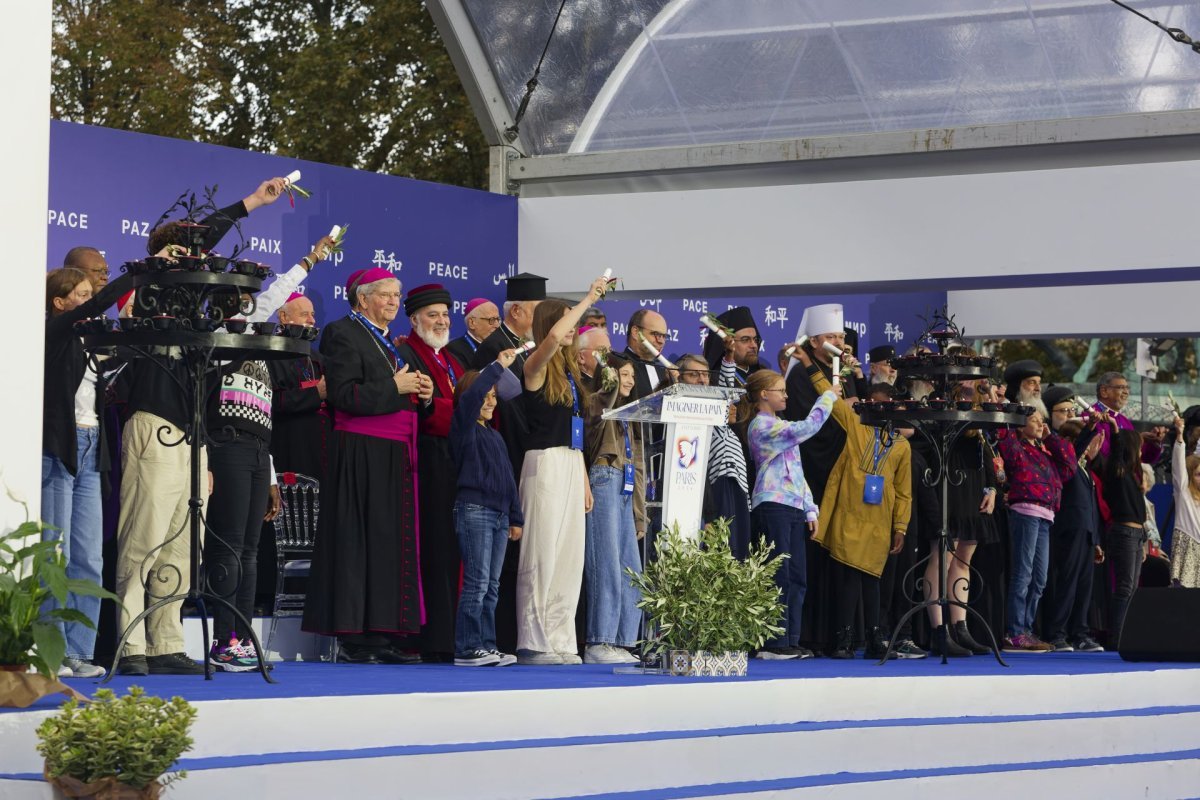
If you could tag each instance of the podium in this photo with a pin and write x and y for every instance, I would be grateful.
(688, 412)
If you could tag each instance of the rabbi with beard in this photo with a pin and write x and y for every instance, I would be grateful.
(428, 309)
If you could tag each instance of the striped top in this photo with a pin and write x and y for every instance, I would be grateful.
(727, 459)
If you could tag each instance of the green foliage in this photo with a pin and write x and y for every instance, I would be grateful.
(366, 84)
(135, 738)
(31, 575)
(702, 598)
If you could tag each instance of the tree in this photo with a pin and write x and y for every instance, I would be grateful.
(355, 83)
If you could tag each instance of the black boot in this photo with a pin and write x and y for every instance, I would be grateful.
(843, 644)
(943, 643)
(877, 645)
(964, 638)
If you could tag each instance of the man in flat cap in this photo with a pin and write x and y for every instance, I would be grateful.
(1075, 533)
(882, 370)
(428, 309)
(482, 318)
(1023, 384)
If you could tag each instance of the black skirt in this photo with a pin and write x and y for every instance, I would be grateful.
(365, 570)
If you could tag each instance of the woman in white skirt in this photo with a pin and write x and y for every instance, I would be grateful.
(555, 494)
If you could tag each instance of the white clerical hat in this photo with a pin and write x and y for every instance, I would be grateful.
(821, 319)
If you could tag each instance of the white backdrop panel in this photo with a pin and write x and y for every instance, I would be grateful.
(24, 165)
(942, 228)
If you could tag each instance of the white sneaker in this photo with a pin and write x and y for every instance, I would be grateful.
(626, 656)
(602, 654)
(535, 658)
(77, 668)
(570, 658)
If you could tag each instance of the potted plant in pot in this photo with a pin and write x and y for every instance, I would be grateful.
(116, 748)
(703, 600)
(32, 573)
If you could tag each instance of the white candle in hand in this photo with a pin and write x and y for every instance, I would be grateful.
(836, 352)
(292, 176)
(608, 273)
(711, 324)
(334, 231)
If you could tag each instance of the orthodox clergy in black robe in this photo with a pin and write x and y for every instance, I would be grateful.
(438, 481)
(818, 455)
(365, 580)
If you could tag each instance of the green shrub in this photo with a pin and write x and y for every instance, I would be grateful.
(700, 597)
(135, 738)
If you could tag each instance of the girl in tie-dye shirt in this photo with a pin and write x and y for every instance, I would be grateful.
(783, 507)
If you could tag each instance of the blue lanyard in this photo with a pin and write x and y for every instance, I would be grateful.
(380, 337)
(471, 342)
(445, 364)
(628, 447)
(574, 394)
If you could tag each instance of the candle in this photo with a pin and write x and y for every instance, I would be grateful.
(713, 326)
(292, 176)
(335, 231)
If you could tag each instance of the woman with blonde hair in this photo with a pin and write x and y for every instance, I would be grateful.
(554, 488)
(1185, 544)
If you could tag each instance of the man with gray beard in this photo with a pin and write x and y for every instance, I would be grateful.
(428, 309)
(1023, 384)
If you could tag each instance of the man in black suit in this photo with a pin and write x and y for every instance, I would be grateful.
(482, 318)
(647, 329)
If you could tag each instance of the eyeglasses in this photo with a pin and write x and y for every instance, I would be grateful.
(748, 339)
(489, 320)
(695, 374)
(660, 335)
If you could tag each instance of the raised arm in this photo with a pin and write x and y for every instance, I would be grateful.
(535, 365)
(270, 299)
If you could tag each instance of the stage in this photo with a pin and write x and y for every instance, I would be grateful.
(1069, 724)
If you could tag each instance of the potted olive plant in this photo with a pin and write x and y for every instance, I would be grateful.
(708, 607)
(116, 748)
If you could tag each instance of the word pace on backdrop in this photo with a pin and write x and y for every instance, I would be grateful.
(108, 187)
(878, 319)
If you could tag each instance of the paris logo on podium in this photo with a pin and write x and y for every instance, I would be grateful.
(686, 449)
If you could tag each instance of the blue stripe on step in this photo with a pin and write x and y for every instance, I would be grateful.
(781, 784)
(394, 751)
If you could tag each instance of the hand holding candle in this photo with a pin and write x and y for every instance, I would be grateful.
(658, 356)
(836, 353)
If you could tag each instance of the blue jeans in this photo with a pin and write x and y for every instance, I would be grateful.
(611, 546)
(1029, 538)
(786, 528)
(72, 504)
(482, 540)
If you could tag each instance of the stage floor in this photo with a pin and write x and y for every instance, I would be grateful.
(1072, 724)
(308, 679)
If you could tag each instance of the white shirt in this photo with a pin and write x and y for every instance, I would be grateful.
(85, 400)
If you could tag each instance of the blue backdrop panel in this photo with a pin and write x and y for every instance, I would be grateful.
(107, 188)
(892, 318)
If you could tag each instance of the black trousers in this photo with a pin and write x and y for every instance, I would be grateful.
(1123, 549)
(241, 470)
(725, 498)
(1065, 606)
(894, 601)
(850, 585)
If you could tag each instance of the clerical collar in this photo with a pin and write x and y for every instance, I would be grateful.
(382, 330)
(473, 339)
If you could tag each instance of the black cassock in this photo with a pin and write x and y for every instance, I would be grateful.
(365, 573)
(818, 455)
(440, 558)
